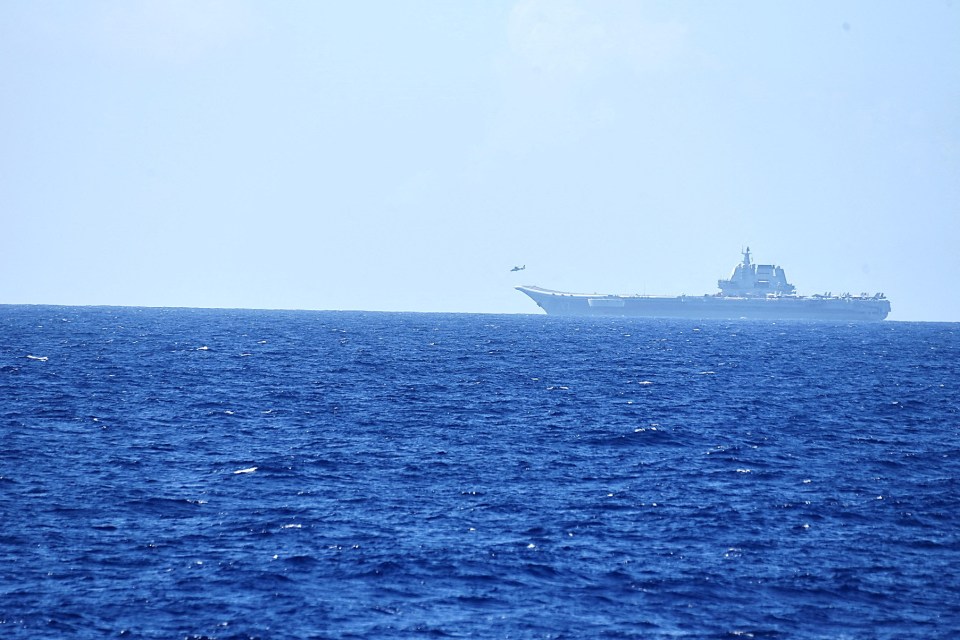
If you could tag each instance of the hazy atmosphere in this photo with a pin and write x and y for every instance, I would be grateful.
(403, 156)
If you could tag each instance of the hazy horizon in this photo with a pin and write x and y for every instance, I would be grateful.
(405, 156)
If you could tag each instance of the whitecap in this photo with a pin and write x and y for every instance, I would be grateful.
(247, 470)
(292, 526)
(644, 382)
(203, 348)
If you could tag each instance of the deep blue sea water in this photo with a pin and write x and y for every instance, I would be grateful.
(180, 473)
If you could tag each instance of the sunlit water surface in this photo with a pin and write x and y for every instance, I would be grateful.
(175, 473)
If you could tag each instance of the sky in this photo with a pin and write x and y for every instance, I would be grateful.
(404, 156)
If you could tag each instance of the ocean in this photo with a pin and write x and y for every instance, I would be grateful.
(187, 473)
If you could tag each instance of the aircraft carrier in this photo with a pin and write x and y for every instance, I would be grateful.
(753, 292)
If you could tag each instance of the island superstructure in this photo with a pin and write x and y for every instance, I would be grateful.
(753, 291)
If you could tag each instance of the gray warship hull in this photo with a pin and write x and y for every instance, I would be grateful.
(753, 291)
(815, 308)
